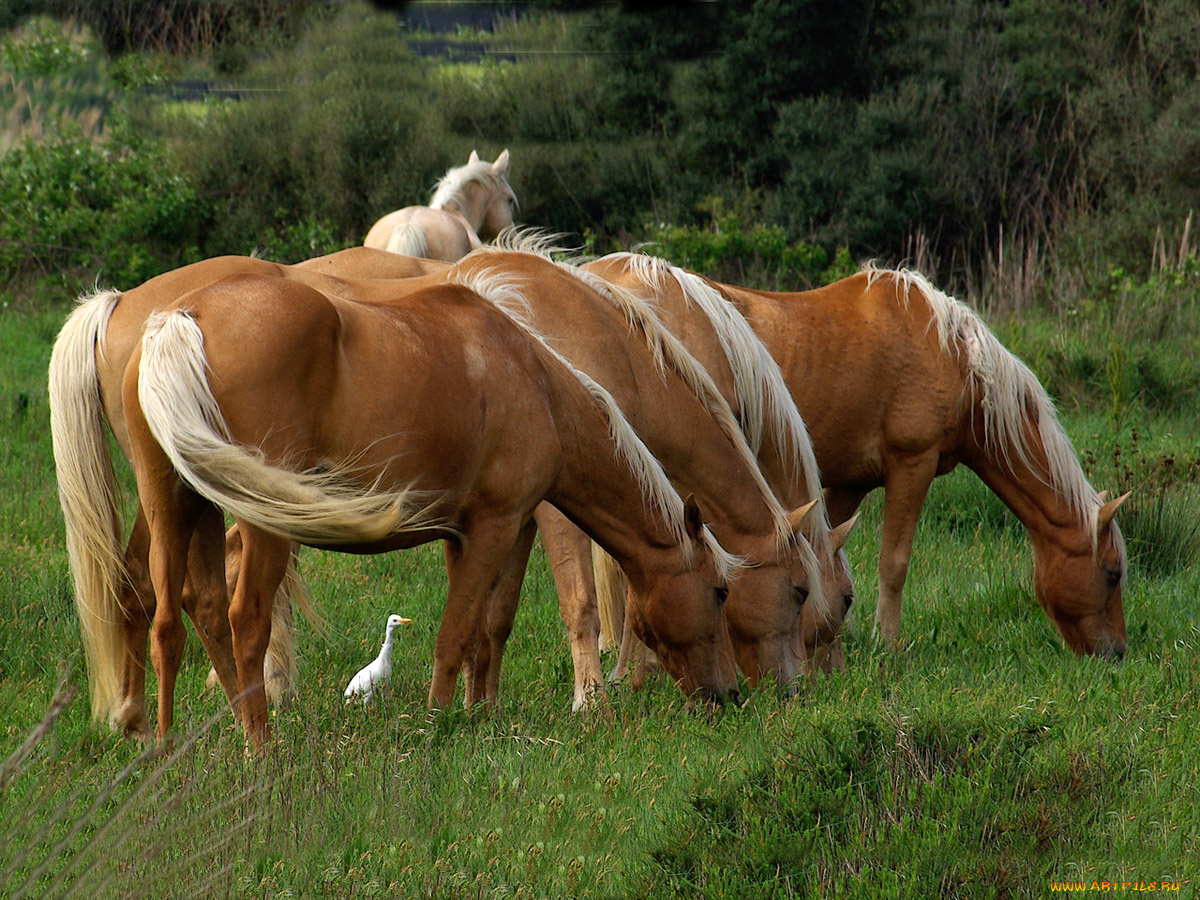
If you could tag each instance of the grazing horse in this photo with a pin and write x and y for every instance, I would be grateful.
(920, 385)
(86, 371)
(675, 407)
(751, 382)
(470, 202)
(298, 441)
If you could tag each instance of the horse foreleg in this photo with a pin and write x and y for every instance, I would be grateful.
(473, 565)
(264, 562)
(821, 645)
(905, 488)
(569, 551)
(501, 611)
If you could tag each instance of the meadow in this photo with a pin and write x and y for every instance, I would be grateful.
(981, 760)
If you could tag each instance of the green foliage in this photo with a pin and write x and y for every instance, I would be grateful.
(759, 255)
(114, 211)
(350, 139)
(42, 48)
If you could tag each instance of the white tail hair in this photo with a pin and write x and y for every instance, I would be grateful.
(182, 413)
(408, 239)
(87, 491)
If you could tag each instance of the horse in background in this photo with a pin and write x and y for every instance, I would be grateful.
(470, 204)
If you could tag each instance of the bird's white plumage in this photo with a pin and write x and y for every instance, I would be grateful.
(377, 672)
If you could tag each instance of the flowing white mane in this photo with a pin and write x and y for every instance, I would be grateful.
(1008, 393)
(501, 290)
(450, 187)
(765, 403)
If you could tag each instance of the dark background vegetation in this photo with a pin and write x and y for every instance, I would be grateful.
(993, 143)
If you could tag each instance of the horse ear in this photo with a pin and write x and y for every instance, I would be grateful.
(474, 158)
(500, 166)
(693, 521)
(1107, 511)
(797, 516)
(1103, 495)
(837, 536)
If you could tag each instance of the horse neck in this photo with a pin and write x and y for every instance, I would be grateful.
(1048, 513)
(600, 493)
(469, 204)
(706, 464)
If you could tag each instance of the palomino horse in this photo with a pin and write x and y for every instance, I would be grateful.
(750, 380)
(86, 371)
(659, 381)
(298, 442)
(918, 386)
(675, 407)
(471, 202)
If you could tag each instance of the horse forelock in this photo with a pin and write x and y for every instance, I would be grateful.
(728, 565)
(1007, 393)
(451, 186)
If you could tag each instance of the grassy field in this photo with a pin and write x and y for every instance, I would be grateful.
(983, 760)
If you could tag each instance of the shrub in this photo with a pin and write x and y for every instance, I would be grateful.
(113, 210)
(352, 137)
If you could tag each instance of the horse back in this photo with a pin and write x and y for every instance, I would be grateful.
(447, 236)
(863, 361)
(434, 389)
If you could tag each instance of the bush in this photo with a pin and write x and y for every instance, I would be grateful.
(113, 210)
(351, 138)
(757, 256)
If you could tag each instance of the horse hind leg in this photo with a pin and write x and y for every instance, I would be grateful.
(206, 599)
(264, 563)
(172, 523)
(905, 487)
(280, 669)
(137, 612)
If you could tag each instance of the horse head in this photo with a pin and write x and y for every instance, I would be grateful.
(822, 630)
(1079, 585)
(498, 201)
(681, 617)
(766, 603)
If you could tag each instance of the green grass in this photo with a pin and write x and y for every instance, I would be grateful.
(982, 760)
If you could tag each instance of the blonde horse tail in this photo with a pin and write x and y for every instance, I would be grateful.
(327, 507)
(87, 491)
(610, 596)
(408, 240)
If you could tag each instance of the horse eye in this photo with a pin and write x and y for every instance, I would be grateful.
(801, 595)
(722, 594)
(847, 600)
(1114, 577)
